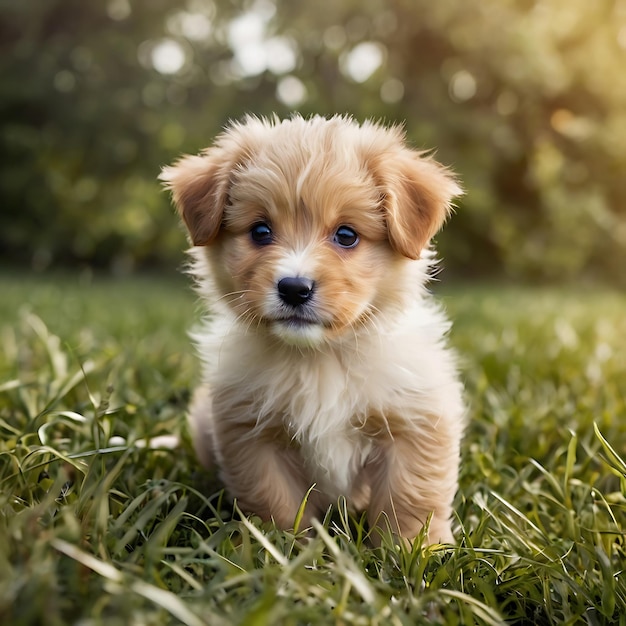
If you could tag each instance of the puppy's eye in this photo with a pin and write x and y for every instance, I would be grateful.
(346, 237)
(261, 234)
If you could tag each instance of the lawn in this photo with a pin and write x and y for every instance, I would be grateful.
(97, 529)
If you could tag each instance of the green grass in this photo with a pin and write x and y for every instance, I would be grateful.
(93, 532)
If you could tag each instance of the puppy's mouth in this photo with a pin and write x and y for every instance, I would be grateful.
(297, 321)
(298, 329)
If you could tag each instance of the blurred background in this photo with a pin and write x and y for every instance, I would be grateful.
(525, 99)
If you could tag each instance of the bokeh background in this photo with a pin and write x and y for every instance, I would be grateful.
(525, 99)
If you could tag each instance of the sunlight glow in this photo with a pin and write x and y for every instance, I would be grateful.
(253, 51)
(281, 55)
(462, 86)
(168, 56)
(118, 10)
(291, 91)
(193, 26)
(363, 60)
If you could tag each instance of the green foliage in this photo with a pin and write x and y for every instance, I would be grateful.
(96, 527)
(524, 98)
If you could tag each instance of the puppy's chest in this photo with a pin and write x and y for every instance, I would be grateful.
(323, 420)
(332, 449)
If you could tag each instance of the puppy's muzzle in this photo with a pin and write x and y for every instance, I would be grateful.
(295, 290)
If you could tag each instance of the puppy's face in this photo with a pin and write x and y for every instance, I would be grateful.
(303, 252)
(308, 224)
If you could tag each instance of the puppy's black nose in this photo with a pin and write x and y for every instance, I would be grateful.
(295, 290)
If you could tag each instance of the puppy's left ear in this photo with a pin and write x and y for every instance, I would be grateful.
(199, 186)
(418, 195)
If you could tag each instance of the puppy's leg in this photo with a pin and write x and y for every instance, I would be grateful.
(265, 477)
(413, 477)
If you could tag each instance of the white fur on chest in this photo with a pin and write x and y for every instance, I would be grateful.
(319, 402)
(322, 417)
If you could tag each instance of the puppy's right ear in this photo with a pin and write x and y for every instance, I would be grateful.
(199, 186)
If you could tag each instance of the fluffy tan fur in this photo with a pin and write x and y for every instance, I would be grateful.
(354, 389)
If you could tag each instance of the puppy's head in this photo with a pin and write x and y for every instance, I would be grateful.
(308, 225)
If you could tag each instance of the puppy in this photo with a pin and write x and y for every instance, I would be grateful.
(325, 361)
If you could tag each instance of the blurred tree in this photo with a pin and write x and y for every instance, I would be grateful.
(526, 99)
(80, 124)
